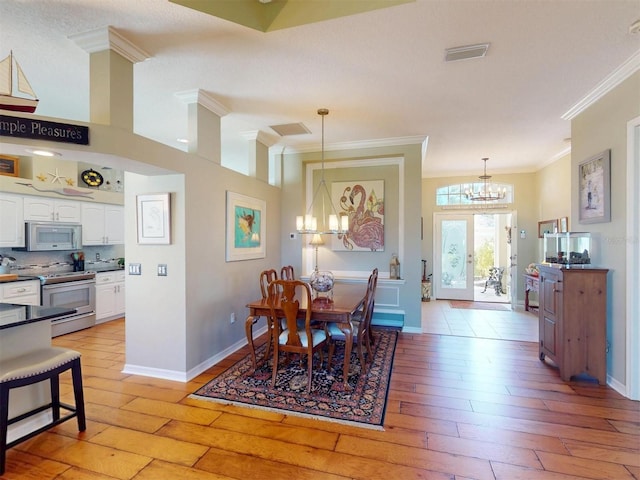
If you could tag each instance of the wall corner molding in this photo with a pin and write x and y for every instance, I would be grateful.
(203, 98)
(108, 38)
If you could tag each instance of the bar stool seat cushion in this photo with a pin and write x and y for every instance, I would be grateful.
(35, 363)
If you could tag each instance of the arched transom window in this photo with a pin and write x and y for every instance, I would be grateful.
(454, 194)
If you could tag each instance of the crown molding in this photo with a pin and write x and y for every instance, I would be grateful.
(615, 78)
(105, 38)
(203, 98)
(259, 136)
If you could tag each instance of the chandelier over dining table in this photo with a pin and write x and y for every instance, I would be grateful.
(486, 192)
(329, 222)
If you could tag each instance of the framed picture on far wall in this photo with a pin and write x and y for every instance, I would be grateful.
(594, 189)
(564, 225)
(547, 226)
(9, 166)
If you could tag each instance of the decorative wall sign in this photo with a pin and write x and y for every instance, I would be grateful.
(363, 203)
(246, 227)
(9, 166)
(594, 189)
(154, 221)
(43, 130)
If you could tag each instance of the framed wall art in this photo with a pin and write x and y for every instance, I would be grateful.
(363, 203)
(594, 189)
(154, 219)
(9, 165)
(547, 226)
(246, 227)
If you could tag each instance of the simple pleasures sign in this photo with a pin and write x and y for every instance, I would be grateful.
(42, 130)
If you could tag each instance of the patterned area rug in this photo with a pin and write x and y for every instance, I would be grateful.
(363, 406)
(477, 305)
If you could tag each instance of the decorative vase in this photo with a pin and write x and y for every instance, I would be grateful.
(322, 284)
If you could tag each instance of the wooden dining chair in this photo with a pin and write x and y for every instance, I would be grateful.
(360, 325)
(286, 273)
(266, 277)
(292, 338)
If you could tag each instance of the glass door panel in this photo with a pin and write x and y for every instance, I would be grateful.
(454, 267)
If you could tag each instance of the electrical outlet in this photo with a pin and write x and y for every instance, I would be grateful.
(162, 269)
(233, 317)
(97, 256)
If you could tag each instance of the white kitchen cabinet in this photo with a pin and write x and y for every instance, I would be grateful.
(45, 209)
(23, 292)
(109, 296)
(12, 220)
(102, 224)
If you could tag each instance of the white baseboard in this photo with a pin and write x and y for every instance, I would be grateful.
(193, 372)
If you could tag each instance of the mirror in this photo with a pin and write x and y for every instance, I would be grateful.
(547, 226)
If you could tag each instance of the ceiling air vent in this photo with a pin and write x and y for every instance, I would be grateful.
(289, 129)
(465, 53)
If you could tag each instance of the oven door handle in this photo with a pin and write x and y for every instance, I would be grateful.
(49, 286)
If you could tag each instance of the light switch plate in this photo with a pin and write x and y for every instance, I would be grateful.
(135, 269)
(162, 269)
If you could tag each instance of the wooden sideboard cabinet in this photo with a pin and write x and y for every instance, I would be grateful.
(573, 320)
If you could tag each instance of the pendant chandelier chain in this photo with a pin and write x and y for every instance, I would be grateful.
(308, 223)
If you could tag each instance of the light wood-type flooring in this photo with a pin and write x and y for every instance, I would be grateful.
(459, 408)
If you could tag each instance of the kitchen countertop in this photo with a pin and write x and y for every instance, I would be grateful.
(91, 268)
(16, 315)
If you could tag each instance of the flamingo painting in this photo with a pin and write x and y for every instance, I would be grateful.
(365, 210)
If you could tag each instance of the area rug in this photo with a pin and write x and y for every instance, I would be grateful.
(477, 305)
(364, 405)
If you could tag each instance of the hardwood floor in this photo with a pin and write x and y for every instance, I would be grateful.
(459, 408)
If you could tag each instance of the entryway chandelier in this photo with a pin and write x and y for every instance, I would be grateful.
(308, 223)
(486, 193)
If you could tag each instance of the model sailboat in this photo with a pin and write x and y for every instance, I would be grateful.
(9, 101)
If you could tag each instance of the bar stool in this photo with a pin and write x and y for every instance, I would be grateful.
(31, 368)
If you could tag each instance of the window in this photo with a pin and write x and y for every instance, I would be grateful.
(455, 194)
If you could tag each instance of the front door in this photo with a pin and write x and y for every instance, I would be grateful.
(453, 264)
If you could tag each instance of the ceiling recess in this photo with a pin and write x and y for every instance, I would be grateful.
(466, 52)
(286, 129)
(267, 15)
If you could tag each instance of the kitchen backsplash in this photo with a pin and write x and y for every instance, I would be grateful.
(26, 261)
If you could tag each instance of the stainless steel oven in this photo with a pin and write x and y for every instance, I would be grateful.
(71, 289)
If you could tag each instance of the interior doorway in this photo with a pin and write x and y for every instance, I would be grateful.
(474, 257)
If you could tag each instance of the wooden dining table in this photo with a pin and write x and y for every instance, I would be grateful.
(347, 299)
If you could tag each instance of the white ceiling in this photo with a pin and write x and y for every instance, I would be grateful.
(381, 73)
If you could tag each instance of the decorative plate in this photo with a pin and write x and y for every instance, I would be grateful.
(92, 178)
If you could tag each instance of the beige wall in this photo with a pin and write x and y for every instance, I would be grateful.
(553, 191)
(604, 126)
(553, 195)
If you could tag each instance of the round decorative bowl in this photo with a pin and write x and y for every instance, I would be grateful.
(321, 282)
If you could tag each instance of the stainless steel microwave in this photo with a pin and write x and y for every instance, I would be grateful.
(45, 236)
